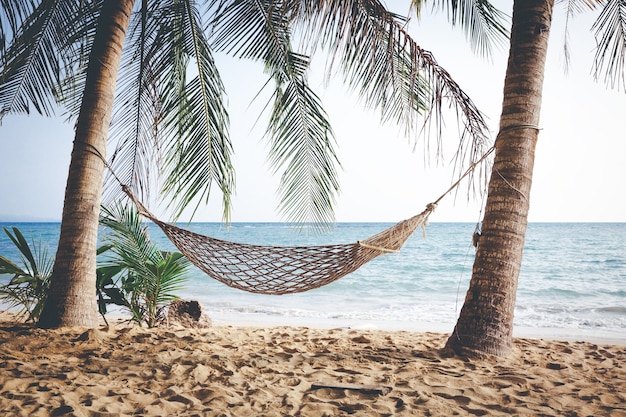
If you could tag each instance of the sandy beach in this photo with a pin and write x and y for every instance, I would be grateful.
(295, 371)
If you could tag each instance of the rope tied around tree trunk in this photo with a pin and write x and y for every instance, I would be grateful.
(505, 129)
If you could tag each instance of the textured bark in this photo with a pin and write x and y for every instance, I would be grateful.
(485, 324)
(72, 297)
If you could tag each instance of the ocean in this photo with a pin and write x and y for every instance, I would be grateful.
(572, 283)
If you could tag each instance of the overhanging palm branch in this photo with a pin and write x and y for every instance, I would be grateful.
(390, 70)
(301, 139)
(136, 117)
(41, 51)
(380, 60)
(482, 22)
(13, 13)
(159, 108)
(164, 119)
(610, 31)
(196, 113)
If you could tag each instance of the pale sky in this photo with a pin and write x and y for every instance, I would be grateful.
(580, 160)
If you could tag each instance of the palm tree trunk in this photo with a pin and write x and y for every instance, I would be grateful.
(72, 296)
(485, 324)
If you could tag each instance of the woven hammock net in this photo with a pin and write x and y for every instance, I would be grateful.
(285, 269)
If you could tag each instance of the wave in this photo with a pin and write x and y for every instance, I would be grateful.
(611, 310)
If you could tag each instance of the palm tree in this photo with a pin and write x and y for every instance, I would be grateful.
(157, 107)
(71, 299)
(485, 323)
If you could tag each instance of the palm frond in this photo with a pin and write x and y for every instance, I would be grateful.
(8, 267)
(31, 66)
(36, 260)
(164, 122)
(13, 13)
(610, 32)
(484, 24)
(40, 53)
(170, 275)
(302, 141)
(391, 71)
(134, 128)
(28, 288)
(77, 49)
(134, 273)
(131, 245)
(195, 119)
(21, 244)
(252, 29)
(572, 8)
(575, 7)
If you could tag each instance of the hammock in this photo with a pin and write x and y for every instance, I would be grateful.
(283, 269)
(287, 269)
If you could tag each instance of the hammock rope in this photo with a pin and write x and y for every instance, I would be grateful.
(281, 270)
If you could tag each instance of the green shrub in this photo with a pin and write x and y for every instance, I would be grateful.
(28, 288)
(134, 273)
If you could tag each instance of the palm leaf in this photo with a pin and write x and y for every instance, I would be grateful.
(169, 275)
(22, 245)
(255, 30)
(196, 121)
(31, 66)
(40, 53)
(7, 267)
(78, 50)
(484, 24)
(137, 111)
(301, 140)
(29, 286)
(164, 120)
(13, 13)
(129, 238)
(610, 32)
(391, 71)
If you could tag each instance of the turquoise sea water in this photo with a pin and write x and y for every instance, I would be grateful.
(573, 279)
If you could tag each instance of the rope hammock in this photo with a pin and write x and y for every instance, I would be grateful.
(286, 269)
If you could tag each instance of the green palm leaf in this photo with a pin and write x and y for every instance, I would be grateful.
(29, 286)
(199, 148)
(610, 31)
(40, 53)
(135, 273)
(169, 275)
(390, 70)
(173, 118)
(301, 140)
(163, 119)
(128, 238)
(134, 127)
(482, 22)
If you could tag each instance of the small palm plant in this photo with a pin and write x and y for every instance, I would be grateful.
(134, 273)
(28, 288)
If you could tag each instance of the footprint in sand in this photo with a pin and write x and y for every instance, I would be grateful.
(289, 381)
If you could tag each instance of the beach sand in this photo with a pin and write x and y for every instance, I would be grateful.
(296, 371)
